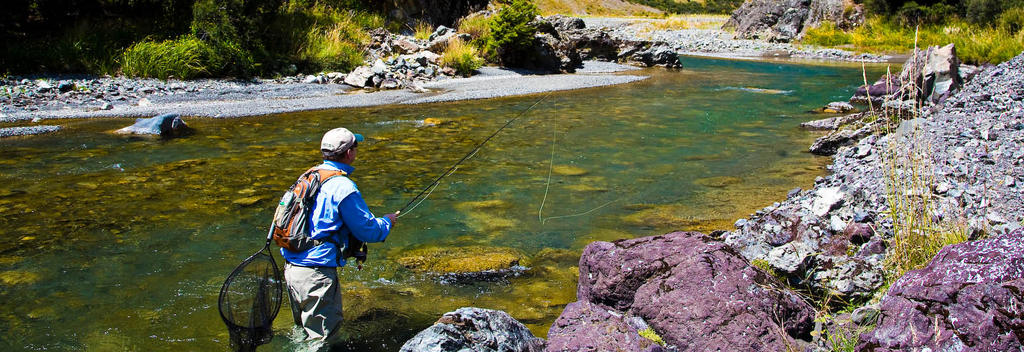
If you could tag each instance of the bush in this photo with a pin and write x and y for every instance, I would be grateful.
(335, 48)
(827, 34)
(511, 32)
(180, 58)
(1012, 20)
(461, 56)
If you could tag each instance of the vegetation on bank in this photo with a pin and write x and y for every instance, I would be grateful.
(186, 38)
(984, 31)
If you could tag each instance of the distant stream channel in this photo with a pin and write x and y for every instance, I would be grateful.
(115, 243)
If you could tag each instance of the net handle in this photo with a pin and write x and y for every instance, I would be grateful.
(270, 236)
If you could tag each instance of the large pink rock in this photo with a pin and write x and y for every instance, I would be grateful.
(969, 298)
(695, 292)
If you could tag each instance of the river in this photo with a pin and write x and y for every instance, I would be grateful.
(121, 243)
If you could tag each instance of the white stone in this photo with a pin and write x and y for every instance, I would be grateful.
(144, 102)
(825, 199)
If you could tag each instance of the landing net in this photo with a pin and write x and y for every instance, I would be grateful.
(250, 299)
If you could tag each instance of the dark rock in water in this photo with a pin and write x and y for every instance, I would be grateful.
(828, 145)
(584, 326)
(832, 123)
(475, 329)
(168, 125)
(658, 56)
(969, 297)
(697, 293)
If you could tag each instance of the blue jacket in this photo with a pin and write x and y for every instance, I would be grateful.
(339, 210)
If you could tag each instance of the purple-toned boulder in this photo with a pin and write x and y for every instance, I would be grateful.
(969, 298)
(584, 326)
(696, 293)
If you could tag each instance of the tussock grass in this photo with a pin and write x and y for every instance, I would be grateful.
(461, 56)
(181, 58)
(320, 38)
(827, 34)
(974, 44)
(422, 30)
(918, 232)
(476, 26)
(334, 48)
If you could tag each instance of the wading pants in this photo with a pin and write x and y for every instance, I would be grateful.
(315, 300)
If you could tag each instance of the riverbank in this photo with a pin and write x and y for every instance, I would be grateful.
(42, 98)
(120, 97)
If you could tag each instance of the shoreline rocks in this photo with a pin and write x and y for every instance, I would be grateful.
(969, 297)
(695, 292)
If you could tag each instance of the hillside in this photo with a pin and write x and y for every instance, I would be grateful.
(595, 8)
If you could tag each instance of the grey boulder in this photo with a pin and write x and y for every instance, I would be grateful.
(475, 329)
(167, 125)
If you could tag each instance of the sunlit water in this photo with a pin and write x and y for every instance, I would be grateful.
(115, 243)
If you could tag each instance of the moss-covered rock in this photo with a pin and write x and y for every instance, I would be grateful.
(461, 260)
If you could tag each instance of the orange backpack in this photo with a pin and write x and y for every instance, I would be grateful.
(291, 219)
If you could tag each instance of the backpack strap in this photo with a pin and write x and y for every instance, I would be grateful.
(324, 175)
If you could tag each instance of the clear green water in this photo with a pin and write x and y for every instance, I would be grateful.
(114, 243)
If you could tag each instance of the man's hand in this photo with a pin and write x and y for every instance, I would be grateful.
(391, 217)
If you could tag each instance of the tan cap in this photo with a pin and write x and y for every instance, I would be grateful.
(339, 140)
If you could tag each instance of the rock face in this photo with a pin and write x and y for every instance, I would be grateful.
(695, 292)
(597, 44)
(784, 21)
(475, 329)
(970, 297)
(167, 125)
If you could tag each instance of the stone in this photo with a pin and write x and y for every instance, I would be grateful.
(144, 102)
(697, 293)
(830, 144)
(969, 297)
(310, 79)
(66, 86)
(584, 326)
(838, 107)
(406, 46)
(361, 77)
(168, 125)
(475, 329)
(106, 106)
(825, 199)
(390, 83)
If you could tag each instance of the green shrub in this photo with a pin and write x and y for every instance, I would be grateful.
(461, 56)
(511, 32)
(827, 34)
(1012, 20)
(180, 58)
(334, 48)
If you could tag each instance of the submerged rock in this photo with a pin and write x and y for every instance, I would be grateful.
(969, 297)
(461, 260)
(167, 125)
(475, 329)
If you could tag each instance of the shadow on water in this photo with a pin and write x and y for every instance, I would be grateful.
(114, 243)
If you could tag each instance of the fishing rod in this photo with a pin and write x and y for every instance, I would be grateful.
(455, 166)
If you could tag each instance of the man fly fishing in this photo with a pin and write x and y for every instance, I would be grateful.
(338, 222)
